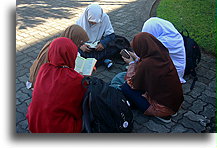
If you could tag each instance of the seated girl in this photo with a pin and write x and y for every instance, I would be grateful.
(73, 32)
(167, 34)
(99, 29)
(56, 105)
(151, 84)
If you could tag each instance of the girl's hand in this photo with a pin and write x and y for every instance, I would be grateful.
(85, 48)
(99, 47)
(133, 55)
(127, 60)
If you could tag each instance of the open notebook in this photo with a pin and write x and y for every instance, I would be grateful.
(85, 66)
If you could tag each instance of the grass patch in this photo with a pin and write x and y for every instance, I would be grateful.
(197, 16)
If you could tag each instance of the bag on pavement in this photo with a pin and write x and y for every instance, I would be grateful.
(193, 56)
(105, 109)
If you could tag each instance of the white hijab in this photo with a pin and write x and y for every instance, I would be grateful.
(103, 27)
(165, 32)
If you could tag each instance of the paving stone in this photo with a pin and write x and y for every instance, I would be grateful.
(178, 128)
(20, 57)
(209, 111)
(185, 105)
(26, 91)
(179, 115)
(197, 127)
(17, 81)
(186, 88)
(24, 124)
(19, 86)
(196, 92)
(209, 93)
(212, 85)
(143, 129)
(23, 78)
(21, 72)
(140, 117)
(208, 99)
(168, 125)
(156, 127)
(28, 101)
(20, 117)
(18, 102)
(189, 99)
(201, 85)
(198, 118)
(210, 74)
(189, 131)
(197, 106)
(19, 129)
(21, 96)
(204, 80)
(22, 108)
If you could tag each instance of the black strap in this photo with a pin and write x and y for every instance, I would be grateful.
(193, 83)
(87, 112)
(194, 74)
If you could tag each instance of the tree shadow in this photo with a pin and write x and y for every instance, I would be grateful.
(34, 12)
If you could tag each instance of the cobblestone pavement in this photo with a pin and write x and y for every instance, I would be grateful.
(41, 20)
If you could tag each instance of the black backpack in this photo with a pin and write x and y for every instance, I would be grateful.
(193, 56)
(105, 109)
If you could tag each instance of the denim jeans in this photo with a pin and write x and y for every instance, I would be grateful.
(118, 80)
(133, 96)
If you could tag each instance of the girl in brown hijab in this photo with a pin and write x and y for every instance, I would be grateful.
(73, 32)
(153, 81)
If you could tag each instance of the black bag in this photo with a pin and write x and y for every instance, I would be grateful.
(193, 56)
(105, 109)
(118, 44)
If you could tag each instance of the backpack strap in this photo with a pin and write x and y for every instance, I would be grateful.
(87, 112)
(194, 74)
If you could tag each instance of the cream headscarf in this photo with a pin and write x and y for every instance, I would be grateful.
(103, 27)
(165, 32)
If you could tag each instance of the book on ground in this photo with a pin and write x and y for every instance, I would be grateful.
(85, 65)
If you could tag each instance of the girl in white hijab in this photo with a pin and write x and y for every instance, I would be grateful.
(165, 32)
(98, 27)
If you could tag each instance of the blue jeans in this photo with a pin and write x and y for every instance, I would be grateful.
(118, 80)
(133, 96)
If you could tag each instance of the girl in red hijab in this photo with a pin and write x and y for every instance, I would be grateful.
(56, 105)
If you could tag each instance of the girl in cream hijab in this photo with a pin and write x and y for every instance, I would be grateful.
(167, 34)
(99, 29)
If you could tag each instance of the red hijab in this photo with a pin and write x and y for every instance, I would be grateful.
(156, 73)
(56, 105)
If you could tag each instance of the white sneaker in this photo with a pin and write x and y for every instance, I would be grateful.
(166, 119)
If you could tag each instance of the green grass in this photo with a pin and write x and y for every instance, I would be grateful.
(197, 16)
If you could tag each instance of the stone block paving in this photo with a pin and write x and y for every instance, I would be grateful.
(40, 21)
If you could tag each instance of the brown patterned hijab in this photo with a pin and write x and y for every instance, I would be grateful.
(156, 73)
(73, 32)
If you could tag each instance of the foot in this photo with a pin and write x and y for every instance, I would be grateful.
(166, 119)
(108, 63)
